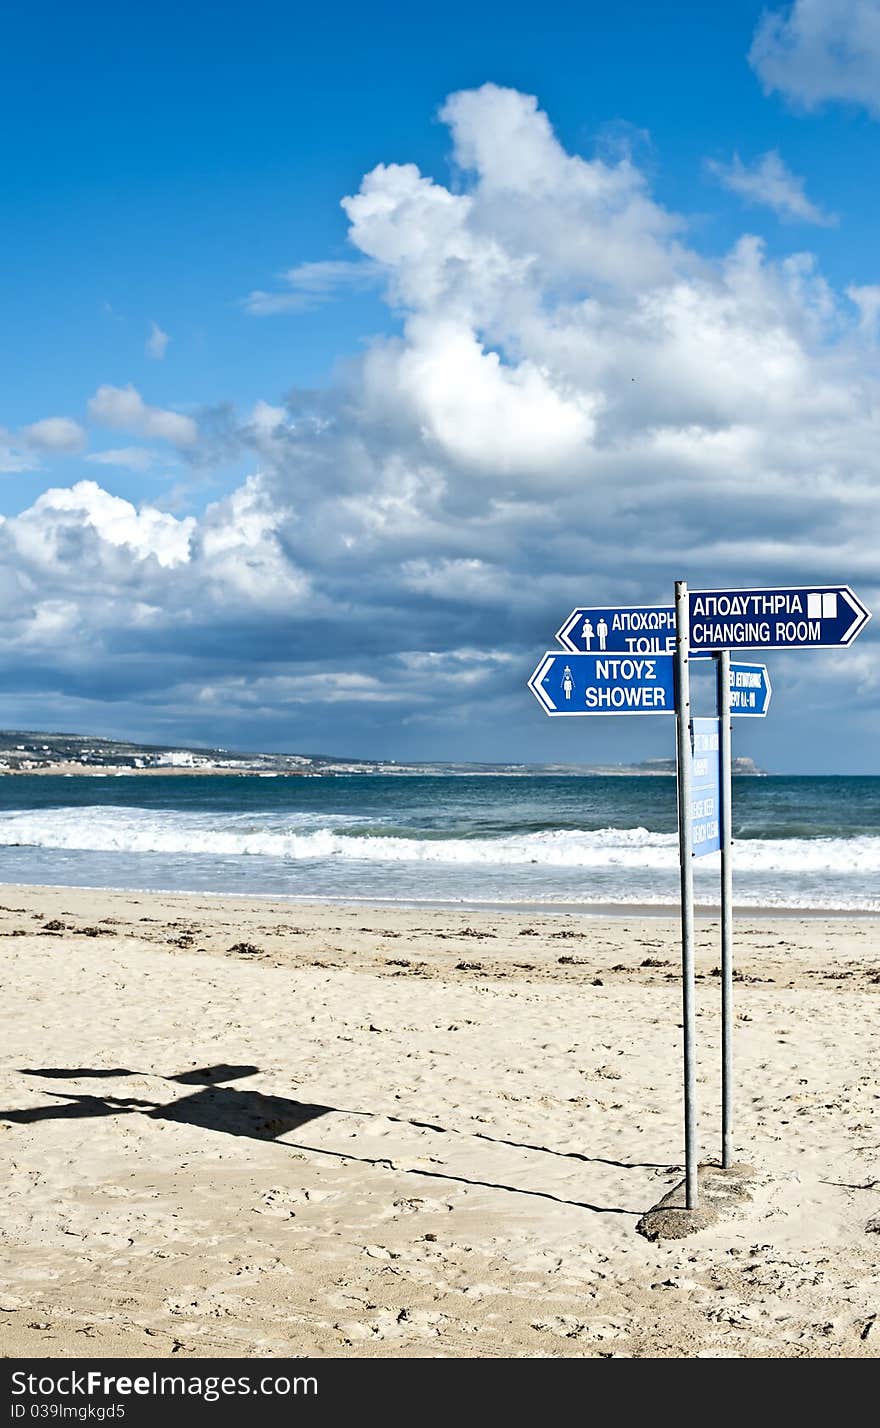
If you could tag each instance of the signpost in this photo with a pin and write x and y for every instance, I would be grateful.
(635, 659)
(686, 874)
(727, 684)
(566, 684)
(718, 621)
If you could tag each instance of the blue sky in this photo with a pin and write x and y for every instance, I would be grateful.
(326, 544)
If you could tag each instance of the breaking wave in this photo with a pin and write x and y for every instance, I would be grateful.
(297, 839)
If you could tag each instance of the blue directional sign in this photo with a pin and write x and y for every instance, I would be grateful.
(750, 690)
(577, 684)
(706, 787)
(620, 629)
(805, 617)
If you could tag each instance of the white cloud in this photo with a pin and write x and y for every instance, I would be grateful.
(157, 342)
(240, 552)
(867, 299)
(144, 531)
(266, 419)
(477, 409)
(534, 216)
(818, 50)
(124, 409)
(309, 285)
(77, 545)
(768, 181)
(130, 458)
(52, 622)
(12, 458)
(54, 434)
(326, 687)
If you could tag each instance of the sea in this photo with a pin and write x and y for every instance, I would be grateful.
(563, 842)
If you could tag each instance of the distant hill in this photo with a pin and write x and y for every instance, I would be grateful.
(27, 751)
(739, 765)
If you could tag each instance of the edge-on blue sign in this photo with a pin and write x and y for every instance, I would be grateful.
(750, 690)
(576, 684)
(706, 787)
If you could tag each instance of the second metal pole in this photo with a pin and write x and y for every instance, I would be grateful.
(684, 755)
(722, 667)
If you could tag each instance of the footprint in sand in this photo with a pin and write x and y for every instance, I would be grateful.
(565, 1326)
(394, 1324)
(414, 1206)
(281, 1200)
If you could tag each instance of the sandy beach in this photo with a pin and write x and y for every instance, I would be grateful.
(260, 1128)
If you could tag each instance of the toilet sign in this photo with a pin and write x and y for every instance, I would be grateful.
(620, 629)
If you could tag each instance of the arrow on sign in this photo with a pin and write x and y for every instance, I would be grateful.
(800, 618)
(578, 684)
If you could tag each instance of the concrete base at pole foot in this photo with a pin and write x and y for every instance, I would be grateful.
(721, 1191)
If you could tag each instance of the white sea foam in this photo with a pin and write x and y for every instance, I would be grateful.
(135, 831)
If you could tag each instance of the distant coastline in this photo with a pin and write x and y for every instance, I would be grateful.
(71, 770)
(68, 755)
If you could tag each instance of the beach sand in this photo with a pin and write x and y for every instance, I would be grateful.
(235, 1127)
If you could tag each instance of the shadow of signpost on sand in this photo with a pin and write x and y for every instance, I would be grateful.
(216, 1106)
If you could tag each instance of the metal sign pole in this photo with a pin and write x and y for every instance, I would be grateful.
(685, 847)
(722, 668)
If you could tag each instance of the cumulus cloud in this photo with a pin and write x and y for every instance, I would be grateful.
(310, 285)
(476, 408)
(54, 434)
(768, 181)
(157, 342)
(43, 530)
(124, 409)
(579, 407)
(818, 50)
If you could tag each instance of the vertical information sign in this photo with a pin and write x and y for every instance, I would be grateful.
(706, 787)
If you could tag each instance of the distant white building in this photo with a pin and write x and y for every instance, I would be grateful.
(180, 759)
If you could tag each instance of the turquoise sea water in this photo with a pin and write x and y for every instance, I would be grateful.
(531, 839)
